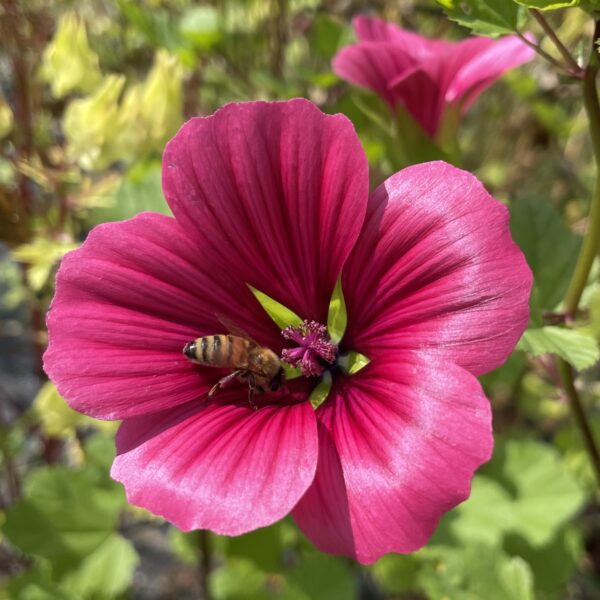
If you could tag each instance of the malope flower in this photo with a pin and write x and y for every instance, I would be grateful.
(428, 77)
(275, 196)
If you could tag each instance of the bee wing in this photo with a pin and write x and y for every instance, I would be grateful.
(235, 329)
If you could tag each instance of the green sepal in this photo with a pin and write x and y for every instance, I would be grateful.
(353, 362)
(291, 372)
(282, 316)
(321, 390)
(337, 316)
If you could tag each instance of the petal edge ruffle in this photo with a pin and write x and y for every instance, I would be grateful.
(399, 443)
(435, 269)
(220, 466)
(278, 190)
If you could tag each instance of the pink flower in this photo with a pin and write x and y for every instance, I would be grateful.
(275, 195)
(423, 75)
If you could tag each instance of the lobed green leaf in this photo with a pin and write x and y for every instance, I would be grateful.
(485, 17)
(576, 347)
(550, 248)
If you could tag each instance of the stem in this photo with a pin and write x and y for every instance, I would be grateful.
(205, 563)
(566, 375)
(278, 35)
(591, 242)
(571, 63)
(560, 66)
(12, 25)
(588, 252)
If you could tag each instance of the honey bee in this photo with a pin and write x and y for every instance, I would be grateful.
(253, 364)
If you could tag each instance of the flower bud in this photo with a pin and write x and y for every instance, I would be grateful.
(69, 63)
(162, 100)
(91, 124)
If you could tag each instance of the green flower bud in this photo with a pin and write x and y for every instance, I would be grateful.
(92, 124)
(161, 106)
(69, 63)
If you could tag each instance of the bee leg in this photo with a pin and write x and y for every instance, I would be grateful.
(251, 390)
(251, 394)
(224, 381)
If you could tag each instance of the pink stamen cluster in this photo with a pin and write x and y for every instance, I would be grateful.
(313, 343)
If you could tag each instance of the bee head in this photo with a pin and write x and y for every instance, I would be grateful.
(278, 380)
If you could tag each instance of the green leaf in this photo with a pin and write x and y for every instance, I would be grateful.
(485, 17)
(100, 452)
(397, 574)
(550, 248)
(41, 255)
(573, 448)
(263, 547)
(321, 390)
(319, 577)
(328, 35)
(474, 572)
(185, 545)
(64, 515)
(106, 572)
(200, 25)
(526, 490)
(554, 564)
(35, 584)
(337, 316)
(141, 190)
(548, 4)
(486, 516)
(239, 579)
(158, 26)
(57, 419)
(281, 315)
(576, 347)
(543, 494)
(502, 381)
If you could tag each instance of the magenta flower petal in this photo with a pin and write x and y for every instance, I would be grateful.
(399, 444)
(275, 195)
(374, 65)
(418, 91)
(483, 69)
(422, 90)
(435, 268)
(372, 29)
(425, 75)
(267, 185)
(218, 466)
(126, 302)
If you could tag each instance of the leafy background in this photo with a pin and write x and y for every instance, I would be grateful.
(90, 92)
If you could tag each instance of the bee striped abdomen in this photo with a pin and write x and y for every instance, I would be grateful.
(219, 351)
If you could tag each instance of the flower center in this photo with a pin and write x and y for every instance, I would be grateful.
(314, 351)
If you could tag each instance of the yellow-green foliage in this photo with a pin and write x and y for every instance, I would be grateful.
(6, 118)
(40, 256)
(110, 126)
(69, 64)
(91, 125)
(57, 419)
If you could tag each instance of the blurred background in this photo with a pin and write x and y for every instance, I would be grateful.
(90, 91)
